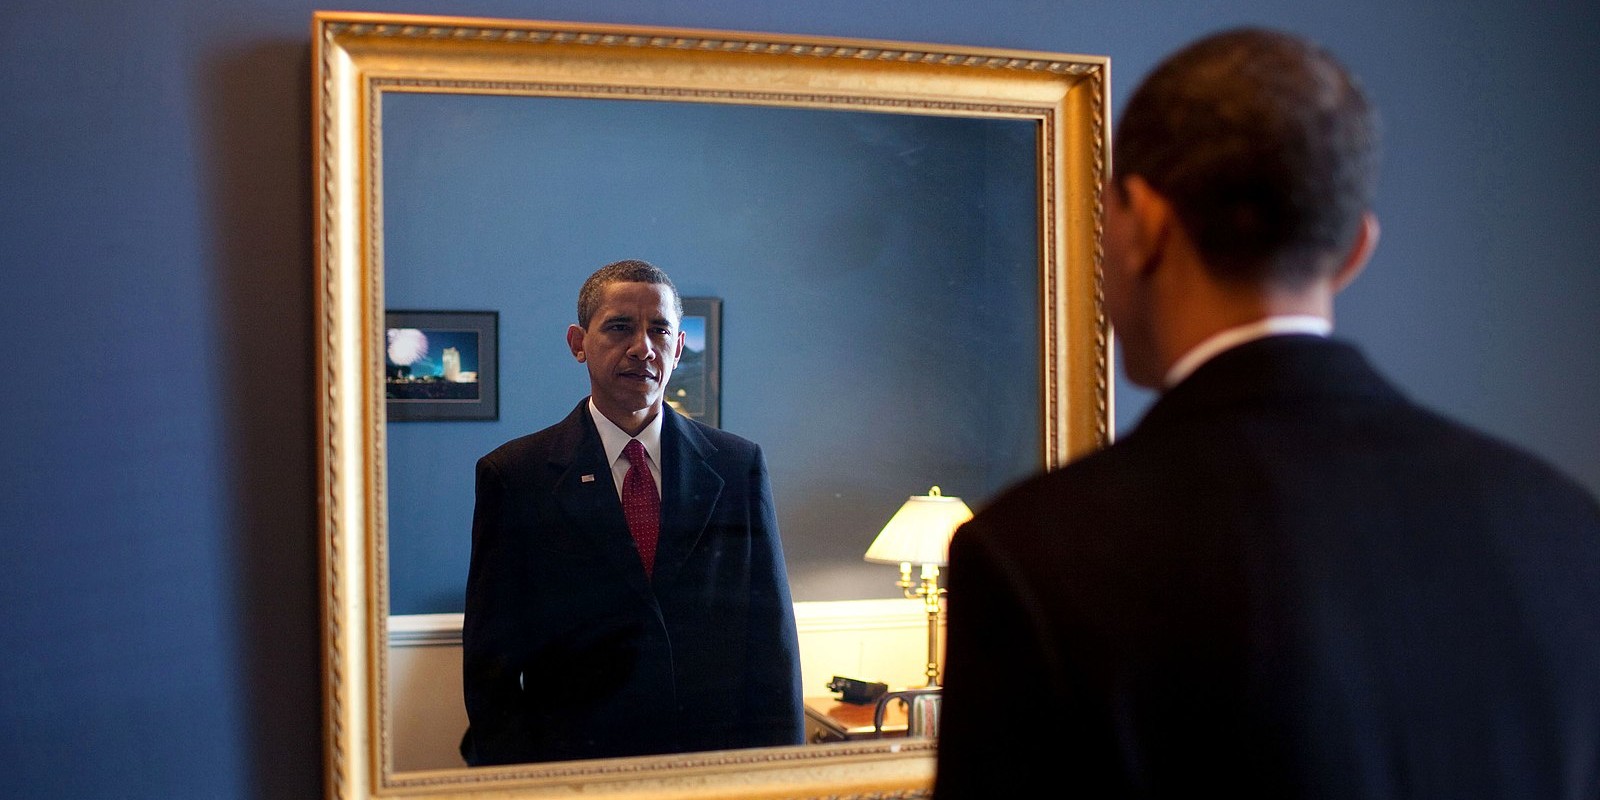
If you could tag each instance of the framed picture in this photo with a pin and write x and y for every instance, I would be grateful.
(695, 388)
(442, 365)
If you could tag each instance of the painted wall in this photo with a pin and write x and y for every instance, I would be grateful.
(158, 588)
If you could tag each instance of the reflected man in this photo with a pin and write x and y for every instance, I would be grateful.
(1289, 581)
(627, 592)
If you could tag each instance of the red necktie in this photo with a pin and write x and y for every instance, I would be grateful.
(641, 504)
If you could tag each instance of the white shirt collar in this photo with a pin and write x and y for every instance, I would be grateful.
(614, 439)
(1249, 332)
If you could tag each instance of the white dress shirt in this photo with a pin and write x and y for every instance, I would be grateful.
(614, 439)
(1249, 332)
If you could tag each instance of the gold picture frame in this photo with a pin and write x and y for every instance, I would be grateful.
(358, 57)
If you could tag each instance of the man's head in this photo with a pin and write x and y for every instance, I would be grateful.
(627, 271)
(628, 335)
(1263, 149)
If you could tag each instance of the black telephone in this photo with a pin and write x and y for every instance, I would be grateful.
(857, 692)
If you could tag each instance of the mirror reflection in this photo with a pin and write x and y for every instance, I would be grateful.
(878, 275)
(878, 285)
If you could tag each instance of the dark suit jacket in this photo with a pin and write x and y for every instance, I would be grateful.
(571, 652)
(1288, 581)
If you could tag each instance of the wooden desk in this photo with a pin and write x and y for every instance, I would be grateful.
(829, 719)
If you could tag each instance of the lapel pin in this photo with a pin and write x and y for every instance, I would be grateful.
(587, 478)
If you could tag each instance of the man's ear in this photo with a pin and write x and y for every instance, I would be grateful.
(1360, 250)
(677, 352)
(575, 342)
(1153, 222)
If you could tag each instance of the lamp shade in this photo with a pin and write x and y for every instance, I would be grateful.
(919, 533)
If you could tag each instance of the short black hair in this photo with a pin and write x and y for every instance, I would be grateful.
(1265, 145)
(629, 270)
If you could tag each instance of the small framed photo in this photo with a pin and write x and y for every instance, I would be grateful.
(442, 365)
(695, 388)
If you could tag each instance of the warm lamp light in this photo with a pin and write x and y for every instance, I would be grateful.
(919, 533)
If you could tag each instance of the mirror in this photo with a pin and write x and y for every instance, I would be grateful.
(400, 103)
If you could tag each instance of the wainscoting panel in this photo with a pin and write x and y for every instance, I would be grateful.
(872, 640)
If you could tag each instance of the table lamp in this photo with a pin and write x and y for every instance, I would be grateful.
(919, 533)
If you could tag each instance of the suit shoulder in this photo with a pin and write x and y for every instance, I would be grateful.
(730, 441)
(1503, 462)
(1092, 472)
(530, 447)
(722, 440)
(1095, 494)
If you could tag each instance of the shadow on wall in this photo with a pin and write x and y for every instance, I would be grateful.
(256, 159)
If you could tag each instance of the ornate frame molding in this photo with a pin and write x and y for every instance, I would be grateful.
(357, 57)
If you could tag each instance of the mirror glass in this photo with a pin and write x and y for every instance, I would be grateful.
(879, 326)
(901, 242)
(880, 307)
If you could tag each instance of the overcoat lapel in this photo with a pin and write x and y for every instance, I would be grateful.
(690, 489)
(593, 512)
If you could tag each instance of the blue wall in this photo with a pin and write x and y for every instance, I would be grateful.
(158, 585)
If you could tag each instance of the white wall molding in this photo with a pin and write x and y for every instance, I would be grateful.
(425, 630)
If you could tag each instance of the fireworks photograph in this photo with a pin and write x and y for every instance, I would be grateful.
(441, 365)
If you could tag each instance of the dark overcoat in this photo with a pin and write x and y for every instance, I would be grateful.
(571, 651)
(1289, 581)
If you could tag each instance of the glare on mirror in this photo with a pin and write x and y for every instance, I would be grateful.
(879, 282)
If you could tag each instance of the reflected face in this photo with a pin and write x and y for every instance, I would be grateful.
(630, 347)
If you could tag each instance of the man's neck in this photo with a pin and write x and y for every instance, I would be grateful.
(1225, 340)
(1196, 320)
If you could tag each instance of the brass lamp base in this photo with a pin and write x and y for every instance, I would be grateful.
(928, 590)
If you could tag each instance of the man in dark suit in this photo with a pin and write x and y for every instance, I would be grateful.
(627, 592)
(1289, 580)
